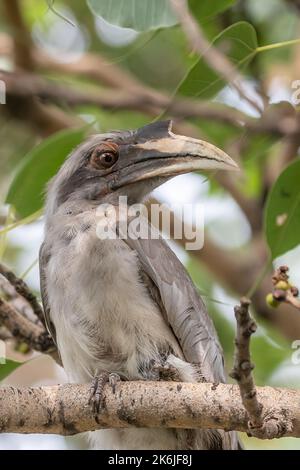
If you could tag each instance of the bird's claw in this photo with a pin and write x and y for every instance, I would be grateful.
(96, 399)
(113, 380)
(166, 371)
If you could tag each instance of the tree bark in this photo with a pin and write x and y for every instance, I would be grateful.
(65, 409)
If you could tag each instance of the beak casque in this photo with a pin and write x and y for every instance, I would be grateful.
(161, 153)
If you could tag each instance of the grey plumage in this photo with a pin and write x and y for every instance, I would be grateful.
(124, 305)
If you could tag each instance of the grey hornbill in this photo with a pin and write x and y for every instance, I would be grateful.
(126, 306)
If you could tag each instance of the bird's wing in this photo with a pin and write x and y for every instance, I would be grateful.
(183, 308)
(43, 260)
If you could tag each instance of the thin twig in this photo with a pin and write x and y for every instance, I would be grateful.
(24, 330)
(259, 424)
(292, 300)
(23, 290)
(242, 369)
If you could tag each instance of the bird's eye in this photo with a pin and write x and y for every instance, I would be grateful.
(108, 159)
(104, 156)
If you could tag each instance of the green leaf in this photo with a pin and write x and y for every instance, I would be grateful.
(38, 166)
(8, 367)
(202, 9)
(282, 212)
(239, 42)
(140, 15)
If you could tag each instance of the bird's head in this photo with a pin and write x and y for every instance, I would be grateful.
(131, 163)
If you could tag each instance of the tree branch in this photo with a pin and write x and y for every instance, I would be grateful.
(45, 120)
(242, 368)
(64, 409)
(23, 329)
(270, 425)
(23, 86)
(23, 290)
(22, 39)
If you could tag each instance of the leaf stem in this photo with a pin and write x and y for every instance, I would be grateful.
(26, 220)
(277, 45)
(25, 273)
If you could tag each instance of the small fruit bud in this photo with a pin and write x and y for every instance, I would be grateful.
(283, 285)
(284, 269)
(279, 295)
(271, 302)
(295, 291)
(22, 348)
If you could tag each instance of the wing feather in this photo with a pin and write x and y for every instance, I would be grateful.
(44, 256)
(183, 307)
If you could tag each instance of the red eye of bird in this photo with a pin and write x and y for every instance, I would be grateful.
(104, 156)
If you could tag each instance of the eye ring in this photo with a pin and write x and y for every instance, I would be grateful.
(104, 156)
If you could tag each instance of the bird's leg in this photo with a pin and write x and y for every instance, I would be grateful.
(96, 399)
(113, 380)
(163, 370)
(96, 391)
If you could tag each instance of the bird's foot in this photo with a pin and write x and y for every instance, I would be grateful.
(166, 371)
(113, 379)
(96, 399)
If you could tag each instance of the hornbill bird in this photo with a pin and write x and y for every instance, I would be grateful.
(125, 307)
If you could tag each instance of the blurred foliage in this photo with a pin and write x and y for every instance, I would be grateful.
(239, 43)
(204, 10)
(8, 367)
(282, 215)
(26, 192)
(140, 15)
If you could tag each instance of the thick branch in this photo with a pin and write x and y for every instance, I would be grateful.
(64, 409)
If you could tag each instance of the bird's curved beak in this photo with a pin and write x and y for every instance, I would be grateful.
(159, 153)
